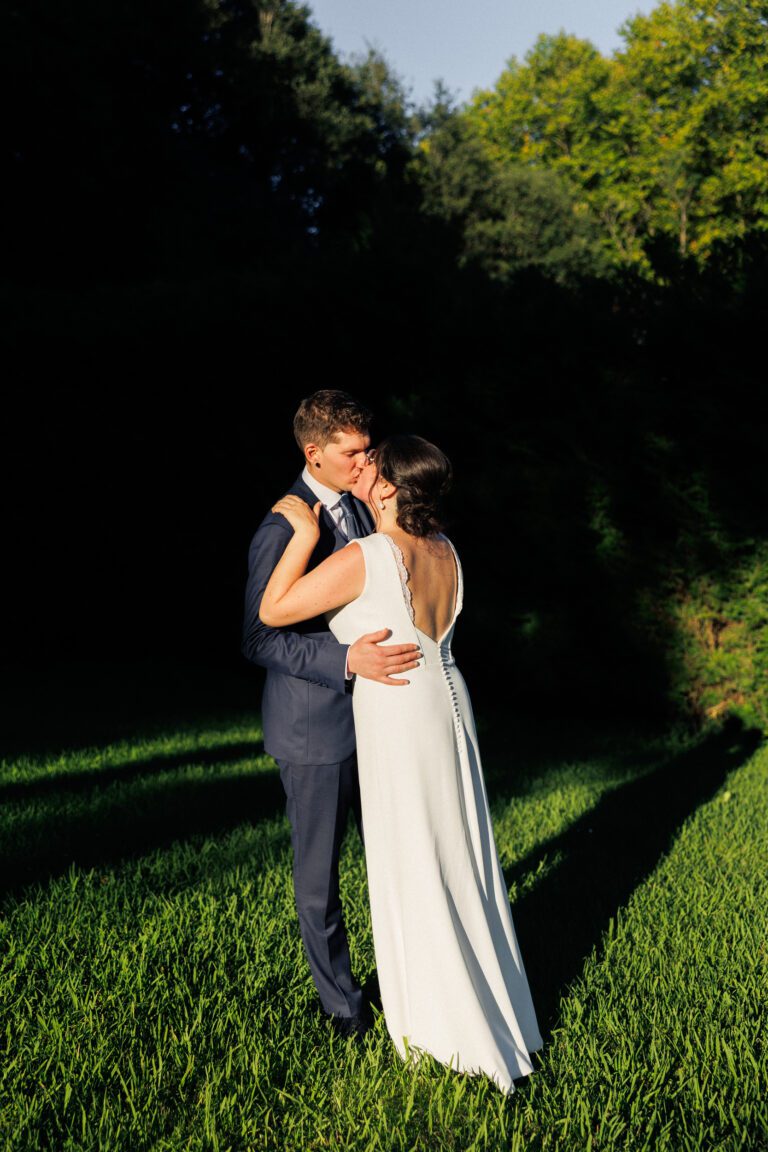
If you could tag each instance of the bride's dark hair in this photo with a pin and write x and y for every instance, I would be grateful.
(422, 475)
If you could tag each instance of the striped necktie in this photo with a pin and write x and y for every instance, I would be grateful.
(352, 524)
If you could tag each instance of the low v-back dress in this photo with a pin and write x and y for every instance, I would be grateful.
(450, 972)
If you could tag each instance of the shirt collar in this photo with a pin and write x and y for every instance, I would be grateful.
(329, 498)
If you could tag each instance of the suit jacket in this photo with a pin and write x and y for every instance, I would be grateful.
(307, 702)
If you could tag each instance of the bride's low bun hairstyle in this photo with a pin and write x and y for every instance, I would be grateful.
(422, 475)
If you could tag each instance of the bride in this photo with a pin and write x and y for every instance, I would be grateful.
(450, 972)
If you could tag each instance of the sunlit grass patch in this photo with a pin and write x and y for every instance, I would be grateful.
(155, 993)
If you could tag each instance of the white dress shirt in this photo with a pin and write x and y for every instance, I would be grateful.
(331, 500)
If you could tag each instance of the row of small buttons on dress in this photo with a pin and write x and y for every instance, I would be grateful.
(447, 662)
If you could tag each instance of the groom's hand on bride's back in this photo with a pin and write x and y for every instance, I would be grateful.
(371, 658)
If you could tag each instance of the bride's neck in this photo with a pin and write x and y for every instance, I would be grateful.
(387, 521)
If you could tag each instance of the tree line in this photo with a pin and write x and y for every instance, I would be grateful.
(561, 281)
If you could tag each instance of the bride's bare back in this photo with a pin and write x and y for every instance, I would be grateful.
(432, 581)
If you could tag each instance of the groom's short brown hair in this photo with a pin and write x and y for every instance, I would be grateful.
(324, 414)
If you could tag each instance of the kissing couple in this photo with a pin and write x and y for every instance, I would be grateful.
(353, 556)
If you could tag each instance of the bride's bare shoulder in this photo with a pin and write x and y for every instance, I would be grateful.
(440, 545)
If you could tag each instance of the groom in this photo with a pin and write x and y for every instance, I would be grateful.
(307, 699)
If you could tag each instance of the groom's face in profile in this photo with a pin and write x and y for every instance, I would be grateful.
(341, 461)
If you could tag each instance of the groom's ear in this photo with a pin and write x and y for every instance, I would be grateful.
(312, 455)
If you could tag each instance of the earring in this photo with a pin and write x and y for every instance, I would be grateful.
(380, 505)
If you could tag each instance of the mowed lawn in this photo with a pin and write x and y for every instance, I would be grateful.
(155, 995)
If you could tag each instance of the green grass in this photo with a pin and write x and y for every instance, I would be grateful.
(155, 995)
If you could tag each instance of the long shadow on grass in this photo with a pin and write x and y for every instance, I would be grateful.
(72, 782)
(143, 807)
(605, 855)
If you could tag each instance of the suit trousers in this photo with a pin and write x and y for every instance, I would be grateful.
(319, 799)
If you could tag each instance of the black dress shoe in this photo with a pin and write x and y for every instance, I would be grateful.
(352, 1027)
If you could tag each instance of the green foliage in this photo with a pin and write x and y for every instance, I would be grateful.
(697, 72)
(513, 220)
(156, 996)
(552, 282)
(663, 145)
(701, 601)
(722, 645)
(555, 112)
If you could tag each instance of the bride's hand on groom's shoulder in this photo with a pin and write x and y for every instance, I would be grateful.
(303, 519)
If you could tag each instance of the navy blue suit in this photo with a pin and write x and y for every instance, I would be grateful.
(309, 730)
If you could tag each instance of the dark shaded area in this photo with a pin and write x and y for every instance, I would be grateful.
(129, 526)
(606, 855)
(210, 218)
(129, 825)
(57, 706)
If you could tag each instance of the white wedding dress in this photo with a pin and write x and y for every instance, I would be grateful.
(451, 976)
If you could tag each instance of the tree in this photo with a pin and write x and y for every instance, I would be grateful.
(506, 217)
(664, 146)
(698, 74)
(170, 138)
(552, 112)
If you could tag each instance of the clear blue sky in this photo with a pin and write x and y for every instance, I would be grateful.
(465, 43)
